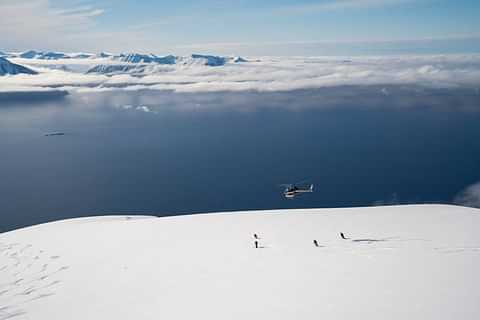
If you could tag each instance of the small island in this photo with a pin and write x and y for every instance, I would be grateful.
(54, 134)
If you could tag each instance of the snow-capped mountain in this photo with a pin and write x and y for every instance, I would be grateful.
(50, 55)
(7, 67)
(138, 58)
(81, 55)
(211, 60)
(194, 59)
(208, 60)
(138, 64)
(132, 69)
(239, 59)
(30, 54)
(112, 69)
(103, 55)
(134, 63)
(200, 72)
(146, 58)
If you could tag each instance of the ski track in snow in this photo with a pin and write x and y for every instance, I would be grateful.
(27, 274)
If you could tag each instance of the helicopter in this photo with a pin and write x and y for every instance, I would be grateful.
(294, 189)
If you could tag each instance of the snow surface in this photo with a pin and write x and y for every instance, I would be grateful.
(400, 262)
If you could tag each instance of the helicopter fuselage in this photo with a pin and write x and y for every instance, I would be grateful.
(290, 193)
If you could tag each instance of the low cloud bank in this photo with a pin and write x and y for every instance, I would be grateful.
(470, 197)
(258, 74)
(137, 108)
(36, 96)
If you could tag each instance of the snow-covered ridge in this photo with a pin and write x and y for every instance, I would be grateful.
(142, 65)
(146, 58)
(198, 59)
(111, 69)
(398, 262)
(32, 54)
(49, 55)
(209, 60)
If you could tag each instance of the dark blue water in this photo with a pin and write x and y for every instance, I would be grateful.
(230, 151)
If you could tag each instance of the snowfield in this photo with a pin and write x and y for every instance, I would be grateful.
(400, 262)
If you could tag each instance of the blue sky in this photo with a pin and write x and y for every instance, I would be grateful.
(284, 27)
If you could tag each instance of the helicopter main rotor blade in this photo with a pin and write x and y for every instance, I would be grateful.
(301, 182)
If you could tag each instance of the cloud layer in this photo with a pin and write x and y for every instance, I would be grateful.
(469, 197)
(258, 74)
(340, 5)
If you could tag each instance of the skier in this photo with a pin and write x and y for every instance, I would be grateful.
(256, 244)
(343, 236)
(255, 236)
(315, 243)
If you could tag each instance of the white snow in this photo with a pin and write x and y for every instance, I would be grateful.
(401, 262)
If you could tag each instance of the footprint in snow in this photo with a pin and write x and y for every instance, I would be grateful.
(41, 296)
(28, 291)
(17, 281)
(368, 240)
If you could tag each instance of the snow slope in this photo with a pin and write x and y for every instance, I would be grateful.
(401, 262)
(7, 67)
